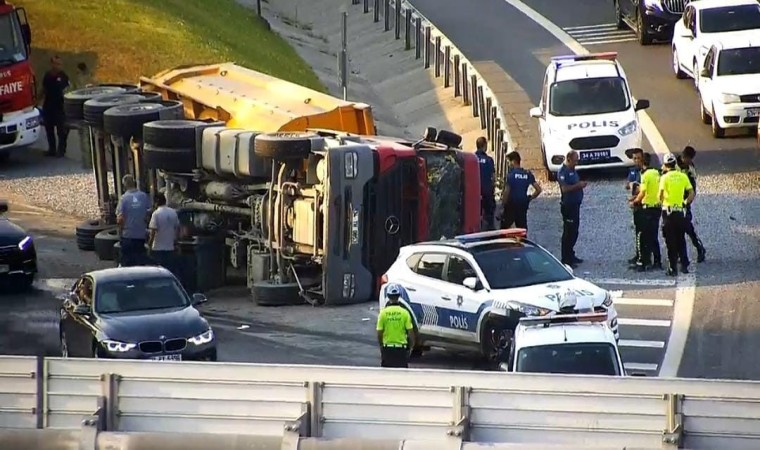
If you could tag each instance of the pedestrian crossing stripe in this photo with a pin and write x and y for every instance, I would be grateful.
(606, 33)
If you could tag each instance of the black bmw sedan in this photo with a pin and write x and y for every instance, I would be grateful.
(134, 313)
(18, 258)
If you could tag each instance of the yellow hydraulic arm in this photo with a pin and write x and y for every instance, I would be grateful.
(244, 98)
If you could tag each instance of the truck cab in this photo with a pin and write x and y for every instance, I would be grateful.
(19, 119)
(579, 344)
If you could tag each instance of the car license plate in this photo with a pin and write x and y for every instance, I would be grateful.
(753, 112)
(5, 268)
(595, 155)
(175, 357)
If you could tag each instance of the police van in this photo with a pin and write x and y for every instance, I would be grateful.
(587, 106)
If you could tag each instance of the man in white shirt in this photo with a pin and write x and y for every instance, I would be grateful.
(164, 230)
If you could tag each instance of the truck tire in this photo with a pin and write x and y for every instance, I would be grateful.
(95, 107)
(268, 293)
(86, 232)
(73, 102)
(170, 145)
(105, 242)
(449, 138)
(286, 146)
(128, 120)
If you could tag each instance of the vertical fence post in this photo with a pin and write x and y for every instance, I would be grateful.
(437, 55)
(482, 109)
(457, 77)
(489, 117)
(398, 19)
(408, 30)
(496, 125)
(387, 15)
(427, 46)
(465, 86)
(376, 11)
(418, 38)
(474, 93)
(500, 171)
(447, 66)
(344, 55)
(366, 6)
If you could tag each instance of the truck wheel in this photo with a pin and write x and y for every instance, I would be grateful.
(104, 244)
(286, 146)
(449, 138)
(128, 120)
(170, 145)
(642, 28)
(492, 334)
(86, 232)
(268, 293)
(95, 107)
(73, 102)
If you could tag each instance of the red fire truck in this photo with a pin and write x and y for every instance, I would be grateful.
(19, 119)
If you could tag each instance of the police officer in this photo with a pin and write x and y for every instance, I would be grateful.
(647, 212)
(686, 164)
(395, 331)
(632, 185)
(515, 196)
(487, 169)
(675, 194)
(571, 188)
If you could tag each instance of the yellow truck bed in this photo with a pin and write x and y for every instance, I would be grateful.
(244, 98)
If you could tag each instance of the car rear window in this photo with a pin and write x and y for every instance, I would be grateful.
(729, 18)
(739, 61)
(581, 359)
(507, 266)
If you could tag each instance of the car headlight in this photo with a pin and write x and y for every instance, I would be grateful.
(117, 346)
(25, 243)
(32, 122)
(729, 98)
(203, 338)
(607, 299)
(524, 308)
(628, 128)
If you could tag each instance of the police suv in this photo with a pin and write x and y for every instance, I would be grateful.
(469, 293)
(586, 105)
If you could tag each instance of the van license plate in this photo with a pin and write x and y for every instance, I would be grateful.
(595, 155)
(176, 357)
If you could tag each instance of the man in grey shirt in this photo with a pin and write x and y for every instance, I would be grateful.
(131, 217)
(164, 229)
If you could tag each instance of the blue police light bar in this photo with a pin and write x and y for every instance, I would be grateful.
(610, 56)
(509, 233)
(564, 318)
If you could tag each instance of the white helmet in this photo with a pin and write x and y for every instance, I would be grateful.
(568, 300)
(393, 290)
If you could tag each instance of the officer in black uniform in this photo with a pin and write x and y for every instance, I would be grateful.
(686, 164)
(487, 169)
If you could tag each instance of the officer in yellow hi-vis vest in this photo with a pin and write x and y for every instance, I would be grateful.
(676, 194)
(395, 331)
(648, 203)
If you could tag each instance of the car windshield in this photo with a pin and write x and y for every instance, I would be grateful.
(139, 295)
(580, 359)
(729, 18)
(12, 48)
(507, 266)
(739, 61)
(588, 96)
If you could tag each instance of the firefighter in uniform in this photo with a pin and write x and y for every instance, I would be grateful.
(647, 210)
(686, 165)
(395, 331)
(675, 195)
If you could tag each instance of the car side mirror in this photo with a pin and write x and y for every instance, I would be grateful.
(472, 283)
(3, 206)
(536, 112)
(704, 73)
(641, 104)
(199, 299)
(569, 269)
(82, 310)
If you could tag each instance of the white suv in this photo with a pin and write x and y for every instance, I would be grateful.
(705, 22)
(729, 85)
(586, 105)
(468, 293)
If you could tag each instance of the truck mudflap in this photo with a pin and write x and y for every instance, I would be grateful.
(345, 277)
(20, 129)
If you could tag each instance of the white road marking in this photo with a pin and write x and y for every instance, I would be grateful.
(643, 301)
(640, 366)
(641, 344)
(682, 312)
(632, 282)
(607, 33)
(643, 322)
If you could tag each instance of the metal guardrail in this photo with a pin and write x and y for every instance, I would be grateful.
(373, 403)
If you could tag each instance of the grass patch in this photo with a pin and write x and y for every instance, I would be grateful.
(121, 40)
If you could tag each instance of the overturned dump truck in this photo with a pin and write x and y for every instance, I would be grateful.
(288, 187)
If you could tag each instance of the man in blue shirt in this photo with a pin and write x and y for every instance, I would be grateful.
(515, 196)
(487, 169)
(571, 187)
(132, 218)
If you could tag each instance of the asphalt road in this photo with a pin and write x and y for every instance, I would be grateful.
(727, 212)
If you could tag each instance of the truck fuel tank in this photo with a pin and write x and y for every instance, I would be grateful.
(229, 151)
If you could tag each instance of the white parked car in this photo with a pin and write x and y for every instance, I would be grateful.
(578, 344)
(729, 85)
(705, 22)
(586, 105)
(468, 293)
